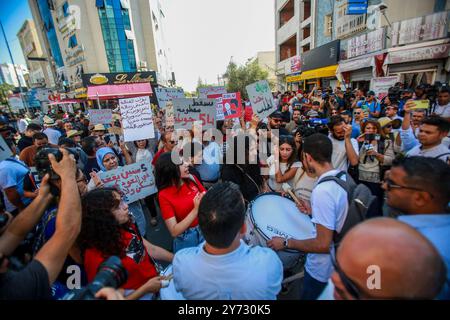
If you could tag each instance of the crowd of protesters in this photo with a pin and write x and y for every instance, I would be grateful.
(56, 213)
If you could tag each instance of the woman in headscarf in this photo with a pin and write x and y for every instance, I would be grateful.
(107, 160)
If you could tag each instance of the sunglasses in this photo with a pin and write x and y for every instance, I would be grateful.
(389, 126)
(349, 285)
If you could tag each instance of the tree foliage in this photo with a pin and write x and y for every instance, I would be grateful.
(4, 92)
(238, 77)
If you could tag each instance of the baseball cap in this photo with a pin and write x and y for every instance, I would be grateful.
(370, 93)
(276, 115)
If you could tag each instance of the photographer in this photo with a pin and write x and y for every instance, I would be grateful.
(33, 282)
(375, 154)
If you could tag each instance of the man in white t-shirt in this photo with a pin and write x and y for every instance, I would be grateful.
(328, 207)
(224, 267)
(442, 106)
(345, 149)
(50, 131)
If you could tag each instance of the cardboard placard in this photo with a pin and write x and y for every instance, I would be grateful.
(137, 119)
(100, 116)
(261, 98)
(188, 111)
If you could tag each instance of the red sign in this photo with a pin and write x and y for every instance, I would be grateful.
(231, 105)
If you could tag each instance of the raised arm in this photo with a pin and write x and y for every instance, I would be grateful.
(68, 219)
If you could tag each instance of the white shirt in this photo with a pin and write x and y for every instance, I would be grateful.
(144, 155)
(272, 182)
(443, 111)
(441, 152)
(329, 206)
(247, 273)
(303, 185)
(22, 125)
(52, 135)
(339, 157)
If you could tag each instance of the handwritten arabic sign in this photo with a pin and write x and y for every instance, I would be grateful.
(203, 93)
(231, 105)
(165, 95)
(381, 85)
(170, 116)
(187, 111)
(261, 98)
(5, 152)
(137, 119)
(103, 116)
(135, 181)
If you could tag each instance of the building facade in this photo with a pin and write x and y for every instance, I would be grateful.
(294, 32)
(105, 36)
(267, 62)
(350, 46)
(40, 74)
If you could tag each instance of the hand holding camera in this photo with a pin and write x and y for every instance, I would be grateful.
(66, 168)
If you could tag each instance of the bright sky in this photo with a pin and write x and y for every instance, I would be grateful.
(202, 35)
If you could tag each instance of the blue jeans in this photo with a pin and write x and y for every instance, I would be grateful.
(311, 288)
(192, 237)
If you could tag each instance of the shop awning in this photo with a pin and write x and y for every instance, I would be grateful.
(325, 72)
(119, 91)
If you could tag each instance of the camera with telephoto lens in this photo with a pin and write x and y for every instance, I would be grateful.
(43, 164)
(111, 273)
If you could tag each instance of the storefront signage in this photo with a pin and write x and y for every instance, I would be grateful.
(99, 79)
(430, 27)
(323, 56)
(366, 43)
(418, 54)
(356, 64)
(292, 79)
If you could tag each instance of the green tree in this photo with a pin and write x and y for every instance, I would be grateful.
(200, 84)
(5, 88)
(238, 77)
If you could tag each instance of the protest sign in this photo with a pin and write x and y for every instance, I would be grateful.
(135, 181)
(5, 151)
(261, 98)
(166, 95)
(381, 85)
(102, 116)
(187, 111)
(203, 93)
(218, 98)
(230, 104)
(137, 119)
(248, 112)
(170, 116)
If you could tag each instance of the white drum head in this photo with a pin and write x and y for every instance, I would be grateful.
(276, 216)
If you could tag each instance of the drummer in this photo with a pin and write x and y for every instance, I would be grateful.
(224, 267)
(328, 207)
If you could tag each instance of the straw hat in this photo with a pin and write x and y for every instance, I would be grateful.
(49, 122)
(73, 133)
(99, 127)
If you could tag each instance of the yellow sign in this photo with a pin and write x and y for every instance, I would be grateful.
(296, 78)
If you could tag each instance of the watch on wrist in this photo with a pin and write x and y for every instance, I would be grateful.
(285, 243)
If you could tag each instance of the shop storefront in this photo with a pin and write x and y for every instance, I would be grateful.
(362, 58)
(107, 88)
(420, 50)
(420, 65)
(293, 67)
(319, 66)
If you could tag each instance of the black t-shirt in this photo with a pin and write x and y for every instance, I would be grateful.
(31, 283)
(24, 142)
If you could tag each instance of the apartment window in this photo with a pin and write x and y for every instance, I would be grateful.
(66, 9)
(328, 28)
(287, 13)
(288, 49)
(73, 41)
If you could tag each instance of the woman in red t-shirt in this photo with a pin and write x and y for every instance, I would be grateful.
(179, 198)
(106, 231)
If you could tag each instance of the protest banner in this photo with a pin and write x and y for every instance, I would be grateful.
(5, 151)
(137, 119)
(218, 98)
(203, 93)
(187, 111)
(166, 95)
(248, 112)
(102, 116)
(381, 85)
(261, 98)
(230, 104)
(135, 181)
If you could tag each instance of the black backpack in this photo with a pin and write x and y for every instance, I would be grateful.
(360, 202)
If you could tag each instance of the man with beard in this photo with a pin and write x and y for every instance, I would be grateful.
(295, 122)
(345, 149)
(275, 121)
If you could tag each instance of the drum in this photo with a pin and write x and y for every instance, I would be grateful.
(271, 215)
(169, 293)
